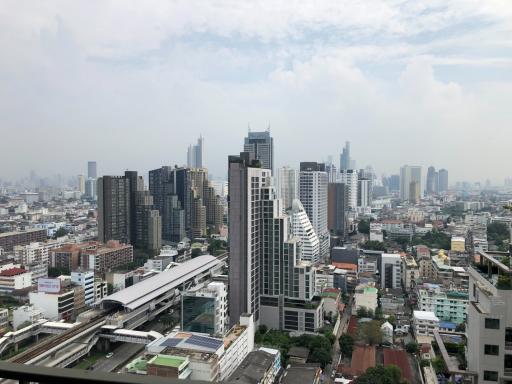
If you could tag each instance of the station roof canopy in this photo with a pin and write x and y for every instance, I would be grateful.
(145, 291)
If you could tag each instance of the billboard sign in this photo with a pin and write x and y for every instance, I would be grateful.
(48, 285)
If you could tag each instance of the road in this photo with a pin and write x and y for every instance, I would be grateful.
(336, 347)
(122, 354)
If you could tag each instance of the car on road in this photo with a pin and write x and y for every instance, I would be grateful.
(109, 355)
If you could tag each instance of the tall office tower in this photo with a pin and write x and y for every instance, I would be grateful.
(91, 170)
(246, 183)
(162, 185)
(301, 227)
(113, 209)
(146, 223)
(195, 154)
(346, 161)
(81, 184)
(287, 186)
(337, 208)
(332, 173)
(414, 192)
(432, 181)
(313, 196)
(364, 194)
(349, 177)
(394, 183)
(443, 180)
(91, 189)
(408, 174)
(261, 145)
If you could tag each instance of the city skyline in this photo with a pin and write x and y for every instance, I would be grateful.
(434, 75)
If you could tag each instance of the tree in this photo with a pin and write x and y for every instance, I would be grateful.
(370, 313)
(362, 312)
(374, 245)
(196, 252)
(60, 232)
(370, 333)
(363, 227)
(322, 356)
(57, 271)
(378, 313)
(412, 347)
(497, 231)
(380, 375)
(439, 365)
(346, 344)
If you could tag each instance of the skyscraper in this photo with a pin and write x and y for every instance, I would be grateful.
(346, 161)
(287, 186)
(414, 192)
(364, 193)
(113, 209)
(349, 177)
(443, 180)
(195, 154)
(432, 181)
(261, 145)
(301, 227)
(313, 196)
(91, 170)
(408, 174)
(81, 184)
(337, 208)
(246, 183)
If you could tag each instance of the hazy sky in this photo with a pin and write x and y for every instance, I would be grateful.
(131, 83)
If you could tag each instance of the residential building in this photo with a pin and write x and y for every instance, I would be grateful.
(302, 228)
(458, 244)
(8, 240)
(409, 174)
(364, 193)
(14, 279)
(81, 184)
(449, 306)
(390, 270)
(410, 273)
(489, 324)
(105, 258)
(61, 305)
(414, 192)
(313, 196)
(337, 206)
(261, 146)
(350, 178)
(424, 323)
(246, 179)
(113, 209)
(259, 367)
(432, 181)
(287, 186)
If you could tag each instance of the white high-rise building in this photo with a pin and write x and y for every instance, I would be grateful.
(313, 196)
(408, 175)
(363, 193)
(350, 179)
(287, 186)
(86, 280)
(81, 184)
(302, 228)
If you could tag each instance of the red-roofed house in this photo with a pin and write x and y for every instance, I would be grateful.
(399, 358)
(14, 278)
(362, 359)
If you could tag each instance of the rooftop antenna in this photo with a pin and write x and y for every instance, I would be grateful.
(268, 129)
(249, 127)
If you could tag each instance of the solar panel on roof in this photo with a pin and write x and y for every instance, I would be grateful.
(171, 342)
(206, 342)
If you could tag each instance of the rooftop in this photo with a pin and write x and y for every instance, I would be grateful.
(168, 360)
(12, 272)
(143, 292)
(425, 315)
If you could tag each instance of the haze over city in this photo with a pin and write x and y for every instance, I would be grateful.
(406, 82)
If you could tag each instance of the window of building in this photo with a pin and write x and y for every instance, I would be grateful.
(490, 349)
(492, 323)
(491, 375)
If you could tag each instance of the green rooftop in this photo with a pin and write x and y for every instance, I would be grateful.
(168, 360)
(370, 290)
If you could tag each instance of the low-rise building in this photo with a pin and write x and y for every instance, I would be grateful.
(9, 240)
(410, 273)
(365, 296)
(424, 323)
(107, 257)
(449, 306)
(15, 278)
(25, 314)
(261, 367)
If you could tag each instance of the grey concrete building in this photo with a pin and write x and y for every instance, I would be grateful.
(261, 145)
